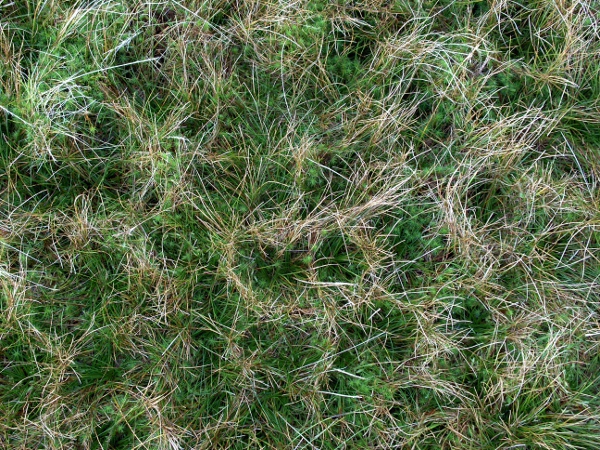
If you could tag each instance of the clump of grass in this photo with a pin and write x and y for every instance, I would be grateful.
(299, 225)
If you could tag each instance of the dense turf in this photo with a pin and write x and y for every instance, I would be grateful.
(311, 224)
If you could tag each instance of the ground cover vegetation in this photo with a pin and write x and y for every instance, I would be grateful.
(299, 224)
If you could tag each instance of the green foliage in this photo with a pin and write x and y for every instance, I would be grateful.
(317, 224)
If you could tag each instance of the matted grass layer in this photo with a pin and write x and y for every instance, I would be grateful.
(299, 224)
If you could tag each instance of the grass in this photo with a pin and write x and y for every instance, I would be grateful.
(305, 224)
